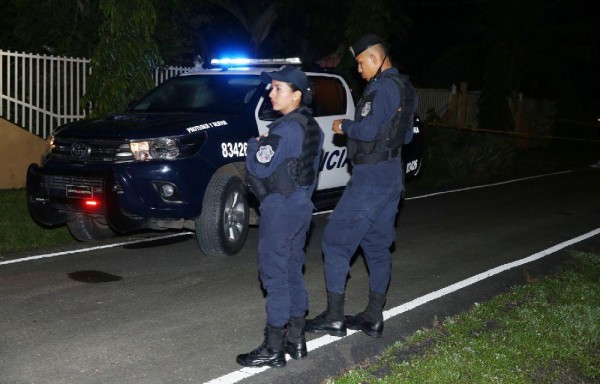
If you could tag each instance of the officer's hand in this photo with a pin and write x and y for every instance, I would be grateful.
(263, 135)
(336, 127)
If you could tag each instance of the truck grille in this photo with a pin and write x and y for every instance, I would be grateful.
(97, 151)
(57, 185)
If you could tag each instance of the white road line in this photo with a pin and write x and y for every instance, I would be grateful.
(488, 185)
(37, 257)
(482, 276)
(312, 345)
(470, 188)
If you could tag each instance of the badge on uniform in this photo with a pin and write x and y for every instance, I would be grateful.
(264, 154)
(366, 109)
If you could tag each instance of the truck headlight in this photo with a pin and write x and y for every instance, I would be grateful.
(164, 148)
(48, 150)
(50, 144)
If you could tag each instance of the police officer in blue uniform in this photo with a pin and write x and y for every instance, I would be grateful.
(282, 168)
(365, 214)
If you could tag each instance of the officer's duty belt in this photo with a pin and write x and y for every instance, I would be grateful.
(373, 158)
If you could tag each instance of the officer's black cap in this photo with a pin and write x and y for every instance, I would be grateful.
(365, 42)
(288, 74)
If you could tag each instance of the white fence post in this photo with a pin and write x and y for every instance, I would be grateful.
(40, 92)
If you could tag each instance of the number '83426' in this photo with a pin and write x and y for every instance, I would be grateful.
(234, 149)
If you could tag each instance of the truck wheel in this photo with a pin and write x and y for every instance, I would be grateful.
(222, 227)
(86, 228)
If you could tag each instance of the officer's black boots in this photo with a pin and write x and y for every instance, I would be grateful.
(370, 321)
(295, 343)
(270, 352)
(332, 321)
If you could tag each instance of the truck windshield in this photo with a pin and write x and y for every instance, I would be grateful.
(212, 93)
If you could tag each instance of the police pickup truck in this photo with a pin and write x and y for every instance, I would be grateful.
(175, 159)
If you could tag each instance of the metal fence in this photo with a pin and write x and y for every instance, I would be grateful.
(433, 102)
(41, 92)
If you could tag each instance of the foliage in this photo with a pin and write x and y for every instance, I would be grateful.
(551, 48)
(177, 30)
(71, 28)
(380, 17)
(58, 27)
(532, 50)
(383, 18)
(544, 332)
(256, 17)
(300, 31)
(123, 61)
(494, 110)
(455, 156)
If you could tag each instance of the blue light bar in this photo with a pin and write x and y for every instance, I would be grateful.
(226, 62)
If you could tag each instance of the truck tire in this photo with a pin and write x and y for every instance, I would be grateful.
(86, 228)
(222, 227)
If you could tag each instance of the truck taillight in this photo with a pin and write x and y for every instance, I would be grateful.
(92, 203)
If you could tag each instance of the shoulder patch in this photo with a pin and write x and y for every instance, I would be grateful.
(264, 154)
(366, 109)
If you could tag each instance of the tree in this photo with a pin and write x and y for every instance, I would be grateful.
(256, 17)
(177, 30)
(381, 17)
(494, 111)
(302, 32)
(542, 49)
(58, 27)
(123, 62)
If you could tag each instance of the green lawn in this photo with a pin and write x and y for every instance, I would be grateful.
(19, 232)
(545, 332)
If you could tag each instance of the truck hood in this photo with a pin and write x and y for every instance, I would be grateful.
(136, 126)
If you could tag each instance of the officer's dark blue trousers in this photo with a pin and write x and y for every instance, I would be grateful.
(283, 226)
(365, 216)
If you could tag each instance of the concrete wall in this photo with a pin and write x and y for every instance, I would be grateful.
(18, 149)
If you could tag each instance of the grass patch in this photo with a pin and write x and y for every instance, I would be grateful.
(461, 156)
(545, 332)
(19, 232)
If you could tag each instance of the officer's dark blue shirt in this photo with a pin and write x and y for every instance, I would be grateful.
(384, 95)
(284, 141)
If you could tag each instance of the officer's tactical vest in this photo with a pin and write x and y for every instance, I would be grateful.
(295, 171)
(389, 140)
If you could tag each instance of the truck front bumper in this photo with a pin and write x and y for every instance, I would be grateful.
(56, 196)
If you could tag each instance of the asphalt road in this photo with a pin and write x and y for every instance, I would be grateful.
(160, 312)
